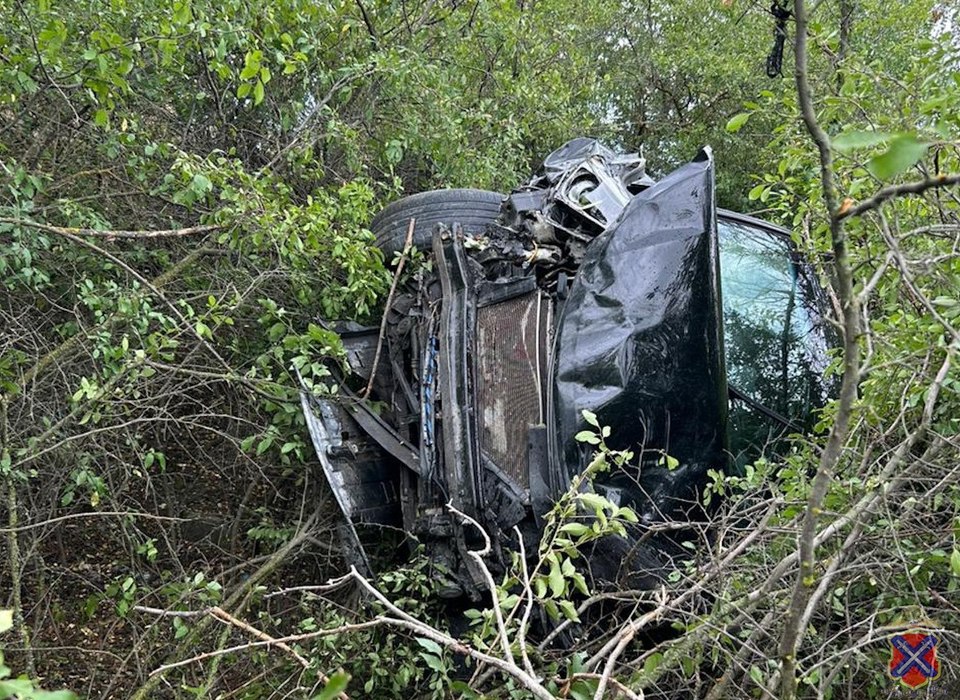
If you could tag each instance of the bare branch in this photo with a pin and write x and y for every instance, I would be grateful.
(273, 641)
(223, 615)
(97, 514)
(386, 308)
(112, 234)
(407, 621)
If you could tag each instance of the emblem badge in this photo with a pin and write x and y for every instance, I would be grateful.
(913, 660)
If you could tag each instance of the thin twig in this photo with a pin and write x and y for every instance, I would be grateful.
(273, 641)
(624, 690)
(223, 615)
(386, 309)
(96, 514)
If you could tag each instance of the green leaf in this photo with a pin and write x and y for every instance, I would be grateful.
(569, 610)
(755, 193)
(6, 620)
(433, 662)
(575, 529)
(181, 12)
(580, 583)
(19, 687)
(203, 330)
(584, 688)
(180, 628)
(954, 563)
(258, 92)
(200, 184)
(737, 121)
(336, 684)
(430, 645)
(627, 514)
(556, 578)
(595, 501)
(756, 675)
(652, 663)
(587, 436)
(854, 140)
(904, 151)
(590, 417)
(264, 445)
(464, 691)
(251, 64)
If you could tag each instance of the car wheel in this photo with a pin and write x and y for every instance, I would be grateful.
(472, 209)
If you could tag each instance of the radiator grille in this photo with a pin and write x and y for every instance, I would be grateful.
(510, 355)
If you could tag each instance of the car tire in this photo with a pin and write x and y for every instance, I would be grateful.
(472, 209)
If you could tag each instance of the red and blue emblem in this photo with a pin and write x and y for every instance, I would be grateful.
(914, 661)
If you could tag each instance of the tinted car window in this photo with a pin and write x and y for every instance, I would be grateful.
(775, 337)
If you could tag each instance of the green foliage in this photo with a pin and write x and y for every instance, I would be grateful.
(337, 684)
(381, 662)
(554, 578)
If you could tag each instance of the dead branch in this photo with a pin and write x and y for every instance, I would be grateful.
(114, 233)
(222, 614)
(477, 556)
(237, 598)
(97, 514)
(271, 641)
(408, 242)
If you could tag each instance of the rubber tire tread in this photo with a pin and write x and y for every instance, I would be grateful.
(472, 209)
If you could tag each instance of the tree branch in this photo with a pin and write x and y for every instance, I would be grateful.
(803, 587)
(111, 234)
(918, 187)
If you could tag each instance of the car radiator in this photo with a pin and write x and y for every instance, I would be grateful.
(511, 364)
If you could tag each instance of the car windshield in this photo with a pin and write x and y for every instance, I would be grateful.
(775, 342)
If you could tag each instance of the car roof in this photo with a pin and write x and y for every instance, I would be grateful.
(739, 218)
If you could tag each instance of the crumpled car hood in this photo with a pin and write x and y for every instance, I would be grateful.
(640, 343)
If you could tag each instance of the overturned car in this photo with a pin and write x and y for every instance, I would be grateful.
(690, 332)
